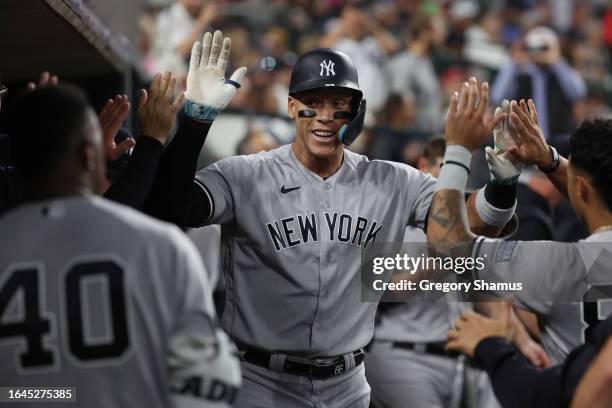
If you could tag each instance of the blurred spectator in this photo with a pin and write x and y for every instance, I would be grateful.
(483, 42)
(393, 138)
(367, 43)
(177, 28)
(547, 78)
(412, 74)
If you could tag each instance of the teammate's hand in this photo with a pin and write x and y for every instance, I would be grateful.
(207, 90)
(111, 118)
(156, 110)
(534, 353)
(467, 123)
(503, 166)
(531, 146)
(45, 79)
(471, 328)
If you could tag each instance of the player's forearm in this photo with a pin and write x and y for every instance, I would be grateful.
(559, 177)
(491, 208)
(477, 224)
(448, 224)
(173, 196)
(134, 184)
(516, 382)
(595, 387)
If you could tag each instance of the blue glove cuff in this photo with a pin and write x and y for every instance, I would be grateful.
(200, 112)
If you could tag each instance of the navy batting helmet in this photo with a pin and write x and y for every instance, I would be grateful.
(325, 68)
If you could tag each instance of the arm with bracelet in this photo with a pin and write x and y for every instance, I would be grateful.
(531, 146)
(490, 208)
(176, 196)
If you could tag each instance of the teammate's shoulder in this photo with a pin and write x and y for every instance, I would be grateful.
(131, 219)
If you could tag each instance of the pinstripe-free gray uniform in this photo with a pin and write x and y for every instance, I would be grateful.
(292, 260)
(553, 274)
(114, 303)
(291, 252)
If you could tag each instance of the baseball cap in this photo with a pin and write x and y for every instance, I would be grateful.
(540, 38)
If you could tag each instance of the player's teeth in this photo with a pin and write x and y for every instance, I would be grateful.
(322, 133)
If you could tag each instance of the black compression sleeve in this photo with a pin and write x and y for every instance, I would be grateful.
(500, 196)
(516, 382)
(134, 183)
(175, 196)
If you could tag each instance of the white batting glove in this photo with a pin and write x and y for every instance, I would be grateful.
(207, 90)
(503, 168)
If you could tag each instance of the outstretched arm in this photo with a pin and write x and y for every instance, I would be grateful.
(531, 146)
(516, 382)
(175, 196)
(465, 131)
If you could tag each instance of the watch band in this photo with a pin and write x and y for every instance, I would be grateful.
(555, 161)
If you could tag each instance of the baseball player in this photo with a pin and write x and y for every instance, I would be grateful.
(294, 221)
(548, 271)
(410, 337)
(95, 296)
(518, 383)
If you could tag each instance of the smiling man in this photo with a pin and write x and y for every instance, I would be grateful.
(294, 221)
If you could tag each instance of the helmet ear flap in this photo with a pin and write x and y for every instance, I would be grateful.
(349, 132)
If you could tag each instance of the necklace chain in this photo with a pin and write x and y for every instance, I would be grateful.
(603, 228)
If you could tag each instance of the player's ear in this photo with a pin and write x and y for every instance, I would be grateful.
(422, 164)
(291, 107)
(584, 188)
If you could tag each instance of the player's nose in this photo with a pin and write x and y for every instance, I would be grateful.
(325, 114)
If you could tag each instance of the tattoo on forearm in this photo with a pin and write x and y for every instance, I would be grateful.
(448, 218)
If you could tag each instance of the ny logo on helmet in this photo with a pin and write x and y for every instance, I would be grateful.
(328, 67)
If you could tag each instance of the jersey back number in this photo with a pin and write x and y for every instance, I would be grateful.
(24, 285)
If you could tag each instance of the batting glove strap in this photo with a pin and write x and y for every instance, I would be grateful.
(200, 112)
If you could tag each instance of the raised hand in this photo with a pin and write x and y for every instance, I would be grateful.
(111, 118)
(503, 166)
(467, 123)
(45, 79)
(156, 110)
(531, 146)
(207, 90)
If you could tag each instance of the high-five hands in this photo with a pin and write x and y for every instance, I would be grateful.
(156, 109)
(531, 146)
(467, 122)
(111, 118)
(208, 92)
(503, 166)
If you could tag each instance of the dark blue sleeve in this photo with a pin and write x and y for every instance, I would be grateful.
(516, 382)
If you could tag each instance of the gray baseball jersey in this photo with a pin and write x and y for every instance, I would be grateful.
(551, 271)
(291, 245)
(97, 296)
(415, 321)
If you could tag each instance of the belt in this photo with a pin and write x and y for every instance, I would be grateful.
(314, 370)
(426, 348)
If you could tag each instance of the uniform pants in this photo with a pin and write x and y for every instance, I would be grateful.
(403, 378)
(264, 388)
